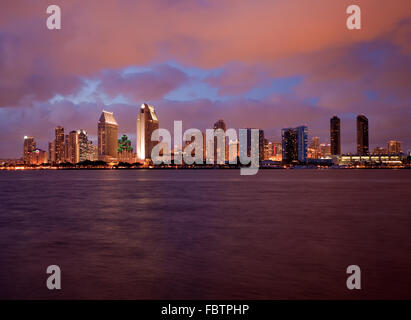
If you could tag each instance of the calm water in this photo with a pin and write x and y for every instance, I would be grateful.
(205, 234)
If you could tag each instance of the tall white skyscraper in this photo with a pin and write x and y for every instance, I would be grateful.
(147, 122)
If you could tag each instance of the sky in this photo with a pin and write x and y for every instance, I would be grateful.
(267, 64)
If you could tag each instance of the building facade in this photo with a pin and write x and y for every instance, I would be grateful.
(73, 148)
(147, 122)
(335, 136)
(362, 135)
(107, 129)
(394, 147)
(29, 146)
(294, 144)
(59, 147)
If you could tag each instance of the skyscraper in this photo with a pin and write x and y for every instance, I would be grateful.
(362, 135)
(294, 144)
(88, 151)
(220, 124)
(59, 145)
(335, 136)
(260, 143)
(394, 147)
(28, 147)
(147, 122)
(73, 148)
(313, 151)
(52, 152)
(107, 136)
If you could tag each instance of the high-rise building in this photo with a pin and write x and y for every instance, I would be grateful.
(147, 122)
(37, 157)
(260, 143)
(294, 144)
(88, 151)
(335, 136)
(313, 151)
(83, 144)
(59, 145)
(107, 136)
(394, 147)
(66, 148)
(268, 149)
(220, 124)
(362, 135)
(325, 150)
(52, 152)
(73, 147)
(28, 147)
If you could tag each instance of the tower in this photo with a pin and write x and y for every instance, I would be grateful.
(335, 136)
(362, 135)
(107, 136)
(147, 122)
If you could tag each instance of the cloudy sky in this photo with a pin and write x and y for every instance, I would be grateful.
(268, 64)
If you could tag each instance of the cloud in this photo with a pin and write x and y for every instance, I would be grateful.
(152, 84)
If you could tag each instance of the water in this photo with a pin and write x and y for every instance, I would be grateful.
(205, 234)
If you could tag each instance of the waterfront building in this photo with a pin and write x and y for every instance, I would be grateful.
(107, 129)
(73, 148)
(52, 152)
(335, 136)
(29, 146)
(220, 124)
(37, 157)
(59, 147)
(379, 150)
(294, 144)
(362, 135)
(260, 143)
(313, 150)
(394, 147)
(147, 122)
(325, 150)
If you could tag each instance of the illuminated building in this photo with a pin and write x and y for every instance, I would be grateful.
(379, 150)
(260, 143)
(107, 136)
(335, 136)
(52, 152)
(394, 147)
(73, 148)
(125, 150)
(59, 145)
(37, 157)
(220, 124)
(88, 151)
(277, 151)
(362, 135)
(233, 148)
(325, 150)
(66, 148)
(387, 159)
(268, 150)
(28, 147)
(147, 122)
(313, 151)
(294, 144)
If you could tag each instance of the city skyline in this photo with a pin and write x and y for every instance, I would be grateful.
(295, 147)
(274, 72)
